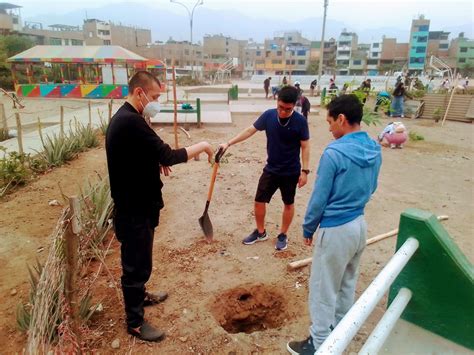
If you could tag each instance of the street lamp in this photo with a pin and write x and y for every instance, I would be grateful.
(190, 13)
(321, 55)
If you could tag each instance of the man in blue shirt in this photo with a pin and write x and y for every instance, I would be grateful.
(347, 177)
(287, 133)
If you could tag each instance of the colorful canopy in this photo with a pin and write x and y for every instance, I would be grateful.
(77, 54)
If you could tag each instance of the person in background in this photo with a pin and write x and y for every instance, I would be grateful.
(266, 86)
(312, 86)
(284, 81)
(365, 87)
(399, 93)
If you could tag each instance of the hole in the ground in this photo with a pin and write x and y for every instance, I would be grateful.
(249, 309)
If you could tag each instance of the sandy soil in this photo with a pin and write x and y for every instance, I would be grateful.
(205, 281)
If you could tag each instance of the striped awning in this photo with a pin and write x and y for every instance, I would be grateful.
(77, 54)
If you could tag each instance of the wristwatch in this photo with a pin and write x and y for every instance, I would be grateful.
(306, 171)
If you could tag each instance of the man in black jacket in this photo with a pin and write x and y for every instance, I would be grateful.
(135, 156)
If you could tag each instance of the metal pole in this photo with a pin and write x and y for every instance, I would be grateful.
(383, 329)
(20, 133)
(347, 328)
(321, 54)
(175, 117)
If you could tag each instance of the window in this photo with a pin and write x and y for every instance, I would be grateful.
(423, 28)
(463, 49)
(372, 62)
(259, 53)
(106, 42)
(76, 42)
(420, 49)
(376, 45)
(357, 62)
(276, 61)
(462, 60)
(288, 62)
(66, 42)
(186, 52)
(293, 62)
(301, 52)
(422, 39)
(267, 54)
(375, 54)
(55, 41)
(344, 53)
(443, 45)
(91, 34)
(104, 32)
(15, 20)
(301, 62)
(279, 53)
(414, 60)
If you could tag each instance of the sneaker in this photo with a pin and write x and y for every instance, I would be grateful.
(255, 236)
(147, 332)
(393, 146)
(303, 347)
(282, 242)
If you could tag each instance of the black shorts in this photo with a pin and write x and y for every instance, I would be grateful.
(269, 183)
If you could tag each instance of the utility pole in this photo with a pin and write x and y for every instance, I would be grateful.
(321, 55)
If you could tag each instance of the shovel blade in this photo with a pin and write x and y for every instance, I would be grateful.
(206, 226)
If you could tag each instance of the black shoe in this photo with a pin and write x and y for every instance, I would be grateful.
(154, 298)
(303, 347)
(147, 332)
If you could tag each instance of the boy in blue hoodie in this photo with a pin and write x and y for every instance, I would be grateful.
(347, 177)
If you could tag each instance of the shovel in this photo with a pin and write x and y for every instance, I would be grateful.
(204, 220)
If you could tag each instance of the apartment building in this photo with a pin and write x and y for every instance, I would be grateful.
(346, 46)
(419, 34)
(55, 35)
(10, 18)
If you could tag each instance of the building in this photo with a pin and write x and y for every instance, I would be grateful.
(10, 18)
(181, 54)
(346, 45)
(288, 53)
(129, 37)
(373, 58)
(219, 49)
(56, 35)
(461, 51)
(419, 34)
(438, 44)
(329, 58)
(97, 32)
(393, 55)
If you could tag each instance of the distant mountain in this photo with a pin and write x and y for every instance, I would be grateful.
(165, 24)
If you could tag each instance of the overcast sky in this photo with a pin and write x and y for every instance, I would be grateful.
(363, 14)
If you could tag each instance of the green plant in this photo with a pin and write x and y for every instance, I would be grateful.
(103, 124)
(13, 170)
(86, 137)
(437, 114)
(370, 118)
(417, 94)
(58, 149)
(415, 136)
(4, 134)
(187, 80)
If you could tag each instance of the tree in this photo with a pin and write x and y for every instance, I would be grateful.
(467, 70)
(9, 46)
(313, 67)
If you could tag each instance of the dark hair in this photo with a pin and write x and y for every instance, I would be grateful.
(142, 79)
(348, 105)
(288, 94)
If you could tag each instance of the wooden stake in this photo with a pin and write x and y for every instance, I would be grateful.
(110, 110)
(175, 120)
(40, 131)
(90, 113)
(300, 263)
(4, 118)
(61, 122)
(20, 133)
(71, 239)
(449, 103)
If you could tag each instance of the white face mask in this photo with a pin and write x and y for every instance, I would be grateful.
(151, 109)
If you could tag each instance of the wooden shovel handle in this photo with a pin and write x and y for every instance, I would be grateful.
(213, 180)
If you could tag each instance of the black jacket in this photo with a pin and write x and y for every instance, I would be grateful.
(134, 155)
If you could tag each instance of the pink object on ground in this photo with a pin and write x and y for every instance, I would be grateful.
(396, 138)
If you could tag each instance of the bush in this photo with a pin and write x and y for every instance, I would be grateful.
(13, 171)
(415, 136)
(188, 80)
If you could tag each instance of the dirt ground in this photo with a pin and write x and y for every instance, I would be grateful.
(207, 283)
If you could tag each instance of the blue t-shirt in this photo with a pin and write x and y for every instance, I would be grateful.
(283, 141)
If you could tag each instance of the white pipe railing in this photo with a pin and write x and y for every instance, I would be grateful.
(347, 328)
(383, 329)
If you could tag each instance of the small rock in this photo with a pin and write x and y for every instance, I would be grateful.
(54, 203)
(183, 339)
(116, 344)
(185, 311)
(13, 293)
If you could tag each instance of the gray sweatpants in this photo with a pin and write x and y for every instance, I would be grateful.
(334, 273)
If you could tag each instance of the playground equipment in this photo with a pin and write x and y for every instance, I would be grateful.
(430, 308)
(225, 70)
(80, 71)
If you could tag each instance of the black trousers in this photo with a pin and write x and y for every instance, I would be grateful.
(135, 233)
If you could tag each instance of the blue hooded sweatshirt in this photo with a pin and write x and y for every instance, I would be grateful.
(347, 177)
